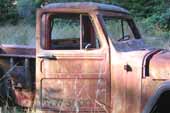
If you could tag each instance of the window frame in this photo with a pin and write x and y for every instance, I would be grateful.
(46, 32)
(122, 16)
(121, 23)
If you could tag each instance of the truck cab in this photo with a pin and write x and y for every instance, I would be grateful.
(90, 58)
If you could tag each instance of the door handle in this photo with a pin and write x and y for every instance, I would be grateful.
(47, 56)
(128, 68)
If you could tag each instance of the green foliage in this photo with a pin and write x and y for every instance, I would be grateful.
(164, 20)
(26, 10)
(141, 8)
(38, 2)
(153, 16)
(8, 12)
(21, 34)
(158, 21)
(155, 13)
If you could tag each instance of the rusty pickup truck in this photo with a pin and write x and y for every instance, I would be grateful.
(89, 58)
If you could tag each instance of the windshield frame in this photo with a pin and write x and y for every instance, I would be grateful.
(122, 16)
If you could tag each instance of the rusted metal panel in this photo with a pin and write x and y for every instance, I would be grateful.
(159, 66)
(73, 94)
(126, 83)
(149, 87)
(82, 77)
(158, 73)
(86, 6)
(15, 71)
(17, 51)
(77, 68)
(24, 98)
(78, 83)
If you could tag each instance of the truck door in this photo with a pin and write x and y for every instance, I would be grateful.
(72, 64)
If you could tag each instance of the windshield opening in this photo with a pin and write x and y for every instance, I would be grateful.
(123, 33)
(119, 29)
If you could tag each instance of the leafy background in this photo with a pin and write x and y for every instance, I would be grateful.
(17, 19)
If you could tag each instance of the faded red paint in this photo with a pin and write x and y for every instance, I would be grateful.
(114, 78)
(160, 64)
(24, 98)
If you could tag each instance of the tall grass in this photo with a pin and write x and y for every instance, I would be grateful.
(154, 36)
(24, 34)
(21, 34)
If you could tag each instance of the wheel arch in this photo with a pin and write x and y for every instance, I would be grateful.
(164, 87)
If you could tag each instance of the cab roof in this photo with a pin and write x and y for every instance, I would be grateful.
(88, 6)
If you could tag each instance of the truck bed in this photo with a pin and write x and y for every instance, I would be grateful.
(17, 65)
(17, 51)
